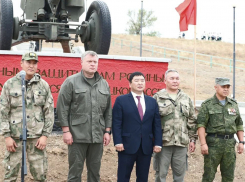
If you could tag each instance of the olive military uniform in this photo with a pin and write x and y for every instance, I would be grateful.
(221, 122)
(86, 109)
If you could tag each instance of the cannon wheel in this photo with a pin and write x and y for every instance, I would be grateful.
(6, 24)
(99, 19)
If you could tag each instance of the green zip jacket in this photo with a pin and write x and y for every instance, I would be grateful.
(85, 108)
(220, 119)
(177, 117)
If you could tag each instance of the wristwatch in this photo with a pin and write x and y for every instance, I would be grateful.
(242, 142)
(194, 141)
(109, 132)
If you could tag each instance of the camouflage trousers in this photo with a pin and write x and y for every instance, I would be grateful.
(220, 152)
(37, 161)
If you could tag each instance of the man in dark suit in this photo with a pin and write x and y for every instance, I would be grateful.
(136, 128)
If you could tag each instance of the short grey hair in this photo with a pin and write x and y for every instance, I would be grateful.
(91, 53)
(168, 71)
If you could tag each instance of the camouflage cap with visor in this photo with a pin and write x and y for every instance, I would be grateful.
(222, 81)
(30, 56)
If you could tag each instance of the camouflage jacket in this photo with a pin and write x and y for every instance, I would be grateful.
(177, 117)
(220, 119)
(39, 108)
(85, 108)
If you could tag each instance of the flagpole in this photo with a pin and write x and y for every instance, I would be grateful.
(234, 54)
(187, 11)
(141, 28)
(195, 72)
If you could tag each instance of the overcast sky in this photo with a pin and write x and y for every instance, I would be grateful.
(212, 16)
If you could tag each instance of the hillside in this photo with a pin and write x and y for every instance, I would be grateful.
(214, 48)
(205, 74)
(128, 45)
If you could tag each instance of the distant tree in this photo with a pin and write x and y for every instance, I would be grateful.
(134, 23)
(152, 34)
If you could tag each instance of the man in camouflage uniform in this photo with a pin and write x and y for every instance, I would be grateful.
(179, 129)
(219, 117)
(84, 111)
(39, 120)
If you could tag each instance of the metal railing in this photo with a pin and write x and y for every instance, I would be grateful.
(158, 51)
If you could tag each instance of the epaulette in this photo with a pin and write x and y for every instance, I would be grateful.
(234, 100)
(208, 100)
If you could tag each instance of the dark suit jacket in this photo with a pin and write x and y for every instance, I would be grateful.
(128, 129)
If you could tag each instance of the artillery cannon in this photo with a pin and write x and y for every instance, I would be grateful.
(49, 20)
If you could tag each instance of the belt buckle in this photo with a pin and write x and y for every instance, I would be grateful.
(227, 137)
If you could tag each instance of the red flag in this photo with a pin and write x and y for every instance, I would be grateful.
(188, 14)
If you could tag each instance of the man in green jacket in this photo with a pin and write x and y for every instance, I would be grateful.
(84, 111)
(179, 129)
(219, 117)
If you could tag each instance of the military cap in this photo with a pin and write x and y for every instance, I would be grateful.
(30, 56)
(222, 81)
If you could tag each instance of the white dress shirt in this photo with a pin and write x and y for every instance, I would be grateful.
(142, 100)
